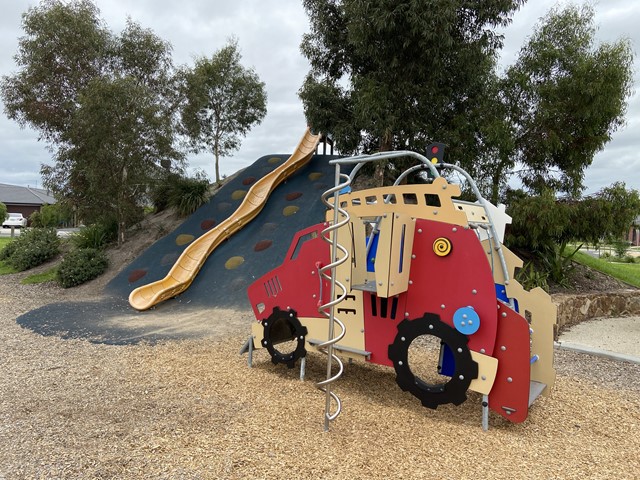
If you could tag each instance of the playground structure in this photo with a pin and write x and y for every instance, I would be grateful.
(393, 267)
(187, 266)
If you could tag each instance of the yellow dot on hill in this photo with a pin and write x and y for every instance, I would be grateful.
(313, 176)
(274, 160)
(238, 194)
(233, 262)
(183, 239)
(290, 210)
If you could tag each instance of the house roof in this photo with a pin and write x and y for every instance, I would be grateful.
(16, 195)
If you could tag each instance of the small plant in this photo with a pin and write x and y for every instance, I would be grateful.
(620, 247)
(530, 277)
(185, 194)
(80, 266)
(33, 247)
(96, 236)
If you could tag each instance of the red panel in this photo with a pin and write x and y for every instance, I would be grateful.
(511, 387)
(380, 328)
(295, 282)
(460, 279)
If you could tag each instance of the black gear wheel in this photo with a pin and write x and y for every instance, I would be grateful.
(280, 326)
(465, 368)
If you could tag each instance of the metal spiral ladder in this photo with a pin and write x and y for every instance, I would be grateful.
(328, 272)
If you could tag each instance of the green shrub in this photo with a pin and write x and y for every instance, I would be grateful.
(55, 215)
(96, 236)
(8, 250)
(185, 194)
(80, 266)
(33, 247)
(531, 277)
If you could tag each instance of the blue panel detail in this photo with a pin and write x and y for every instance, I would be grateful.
(346, 189)
(371, 258)
(447, 361)
(501, 294)
(466, 320)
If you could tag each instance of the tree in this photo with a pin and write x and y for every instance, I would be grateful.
(389, 75)
(3, 211)
(565, 97)
(104, 103)
(223, 100)
(63, 48)
(546, 226)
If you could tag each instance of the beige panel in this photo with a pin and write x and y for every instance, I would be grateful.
(401, 249)
(475, 212)
(543, 313)
(359, 274)
(409, 200)
(511, 259)
(383, 254)
(350, 312)
(487, 368)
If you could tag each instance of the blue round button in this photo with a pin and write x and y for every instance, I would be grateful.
(466, 320)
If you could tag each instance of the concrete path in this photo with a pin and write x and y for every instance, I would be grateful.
(617, 338)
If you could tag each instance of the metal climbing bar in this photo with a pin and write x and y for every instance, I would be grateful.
(328, 272)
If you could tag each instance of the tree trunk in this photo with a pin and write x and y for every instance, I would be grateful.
(216, 153)
(385, 146)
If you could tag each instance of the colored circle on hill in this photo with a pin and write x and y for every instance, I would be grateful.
(183, 239)
(290, 210)
(234, 262)
(313, 176)
(293, 196)
(207, 224)
(136, 275)
(268, 227)
(248, 180)
(238, 194)
(222, 206)
(262, 245)
(169, 259)
(274, 160)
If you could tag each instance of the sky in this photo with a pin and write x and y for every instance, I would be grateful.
(269, 33)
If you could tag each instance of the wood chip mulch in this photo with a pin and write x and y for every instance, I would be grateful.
(70, 409)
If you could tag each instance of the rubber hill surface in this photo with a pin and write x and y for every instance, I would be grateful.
(224, 277)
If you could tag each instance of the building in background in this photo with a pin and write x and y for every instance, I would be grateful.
(24, 200)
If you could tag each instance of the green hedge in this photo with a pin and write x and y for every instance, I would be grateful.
(33, 247)
(80, 266)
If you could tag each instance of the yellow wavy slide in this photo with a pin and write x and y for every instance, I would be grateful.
(189, 263)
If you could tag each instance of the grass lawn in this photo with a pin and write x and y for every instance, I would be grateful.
(5, 269)
(626, 272)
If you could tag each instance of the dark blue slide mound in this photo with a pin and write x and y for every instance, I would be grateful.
(223, 279)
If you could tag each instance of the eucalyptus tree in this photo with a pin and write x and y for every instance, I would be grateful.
(223, 100)
(104, 103)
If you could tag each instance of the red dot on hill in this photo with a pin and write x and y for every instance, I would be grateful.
(293, 196)
(262, 245)
(248, 180)
(207, 224)
(136, 275)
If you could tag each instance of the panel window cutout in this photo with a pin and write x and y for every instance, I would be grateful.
(410, 198)
(371, 200)
(384, 307)
(301, 241)
(355, 202)
(432, 200)
(390, 199)
(528, 316)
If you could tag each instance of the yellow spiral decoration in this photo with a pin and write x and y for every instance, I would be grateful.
(442, 246)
